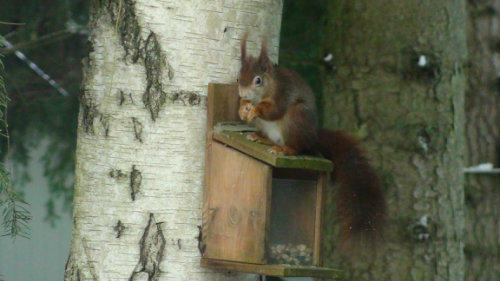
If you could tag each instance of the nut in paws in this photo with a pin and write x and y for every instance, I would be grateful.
(252, 113)
(244, 110)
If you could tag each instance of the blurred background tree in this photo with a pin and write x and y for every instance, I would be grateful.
(482, 127)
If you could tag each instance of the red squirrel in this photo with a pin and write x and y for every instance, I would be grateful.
(283, 108)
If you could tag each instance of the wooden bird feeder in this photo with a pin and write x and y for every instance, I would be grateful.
(262, 213)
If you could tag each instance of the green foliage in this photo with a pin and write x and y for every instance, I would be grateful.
(52, 36)
(15, 216)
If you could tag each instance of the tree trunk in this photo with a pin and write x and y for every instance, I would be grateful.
(482, 249)
(141, 135)
(397, 81)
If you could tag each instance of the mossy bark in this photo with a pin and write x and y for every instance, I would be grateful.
(398, 83)
(482, 196)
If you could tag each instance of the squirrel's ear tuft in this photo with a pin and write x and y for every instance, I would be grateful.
(264, 61)
(244, 47)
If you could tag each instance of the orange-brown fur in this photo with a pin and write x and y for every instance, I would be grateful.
(286, 100)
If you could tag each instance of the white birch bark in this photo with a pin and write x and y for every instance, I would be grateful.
(141, 135)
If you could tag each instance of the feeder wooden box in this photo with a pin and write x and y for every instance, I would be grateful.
(262, 213)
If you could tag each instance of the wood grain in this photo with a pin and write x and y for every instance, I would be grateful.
(238, 206)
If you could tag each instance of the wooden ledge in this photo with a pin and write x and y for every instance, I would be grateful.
(234, 135)
(281, 270)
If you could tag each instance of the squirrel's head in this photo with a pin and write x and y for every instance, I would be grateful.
(255, 78)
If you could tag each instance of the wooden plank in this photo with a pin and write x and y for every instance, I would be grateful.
(318, 225)
(271, 270)
(238, 192)
(223, 103)
(261, 151)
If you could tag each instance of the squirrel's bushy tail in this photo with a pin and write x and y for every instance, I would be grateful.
(360, 203)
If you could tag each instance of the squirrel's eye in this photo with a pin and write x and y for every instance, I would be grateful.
(257, 80)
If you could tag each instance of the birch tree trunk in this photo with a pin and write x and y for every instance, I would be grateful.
(141, 135)
(482, 196)
(398, 82)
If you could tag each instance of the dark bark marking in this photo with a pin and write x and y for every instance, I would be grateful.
(177, 243)
(186, 97)
(119, 228)
(89, 112)
(152, 246)
(122, 97)
(123, 17)
(117, 174)
(201, 244)
(154, 96)
(137, 129)
(105, 124)
(135, 182)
